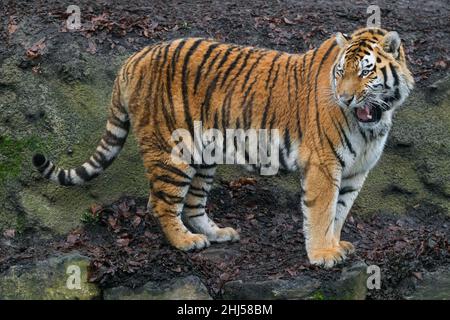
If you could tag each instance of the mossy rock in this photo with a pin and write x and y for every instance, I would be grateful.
(46, 113)
(188, 288)
(51, 279)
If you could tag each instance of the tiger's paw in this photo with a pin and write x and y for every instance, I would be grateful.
(190, 241)
(326, 258)
(224, 235)
(347, 247)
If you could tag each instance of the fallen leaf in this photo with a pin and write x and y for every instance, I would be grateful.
(92, 47)
(287, 21)
(12, 26)
(112, 222)
(9, 233)
(123, 242)
(35, 51)
(418, 275)
(136, 221)
(73, 238)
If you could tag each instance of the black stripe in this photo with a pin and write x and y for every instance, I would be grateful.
(345, 190)
(169, 180)
(299, 126)
(209, 92)
(195, 194)
(133, 63)
(102, 160)
(204, 166)
(341, 202)
(197, 215)
(383, 70)
(44, 166)
(62, 177)
(269, 99)
(247, 76)
(230, 68)
(225, 57)
(167, 198)
(82, 173)
(309, 203)
(324, 58)
(49, 173)
(204, 176)
(93, 164)
(272, 65)
(175, 56)
(113, 140)
(363, 134)
(117, 122)
(308, 82)
(196, 206)
(244, 64)
(347, 141)
(184, 84)
(202, 63)
(337, 156)
(199, 189)
(213, 61)
(172, 169)
(287, 141)
(394, 74)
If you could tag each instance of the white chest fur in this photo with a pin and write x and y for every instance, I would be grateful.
(367, 151)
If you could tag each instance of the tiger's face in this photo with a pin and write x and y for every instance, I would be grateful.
(370, 76)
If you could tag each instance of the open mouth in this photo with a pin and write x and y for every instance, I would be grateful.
(369, 113)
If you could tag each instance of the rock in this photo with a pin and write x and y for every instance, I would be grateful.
(434, 286)
(436, 91)
(416, 156)
(188, 288)
(51, 279)
(351, 285)
(63, 107)
(302, 287)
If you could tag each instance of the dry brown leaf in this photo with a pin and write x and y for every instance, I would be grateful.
(9, 233)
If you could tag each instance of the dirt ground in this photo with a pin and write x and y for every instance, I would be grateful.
(125, 243)
(293, 26)
(127, 247)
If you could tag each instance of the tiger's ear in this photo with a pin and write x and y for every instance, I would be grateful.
(391, 43)
(341, 39)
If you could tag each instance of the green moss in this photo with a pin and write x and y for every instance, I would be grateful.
(48, 280)
(318, 296)
(13, 153)
(90, 218)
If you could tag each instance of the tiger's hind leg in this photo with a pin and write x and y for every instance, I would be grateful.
(195, 216)
(170, 185)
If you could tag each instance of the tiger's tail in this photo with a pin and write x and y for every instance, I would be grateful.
(117, 128)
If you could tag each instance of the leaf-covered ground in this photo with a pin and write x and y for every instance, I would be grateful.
(127, 247)
(114, 26)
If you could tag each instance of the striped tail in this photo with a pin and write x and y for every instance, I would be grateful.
(113, 139)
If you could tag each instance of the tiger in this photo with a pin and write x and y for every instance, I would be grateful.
(333, 105)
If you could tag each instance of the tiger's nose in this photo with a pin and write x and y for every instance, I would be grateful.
(346, 98)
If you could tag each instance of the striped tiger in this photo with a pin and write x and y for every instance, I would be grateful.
(333, 106)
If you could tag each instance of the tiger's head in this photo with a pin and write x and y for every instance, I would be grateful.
(370, 76)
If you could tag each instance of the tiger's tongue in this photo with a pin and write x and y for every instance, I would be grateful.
(364, 114)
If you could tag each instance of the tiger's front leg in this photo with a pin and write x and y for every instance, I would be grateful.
(349, 190)
(321, 186)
